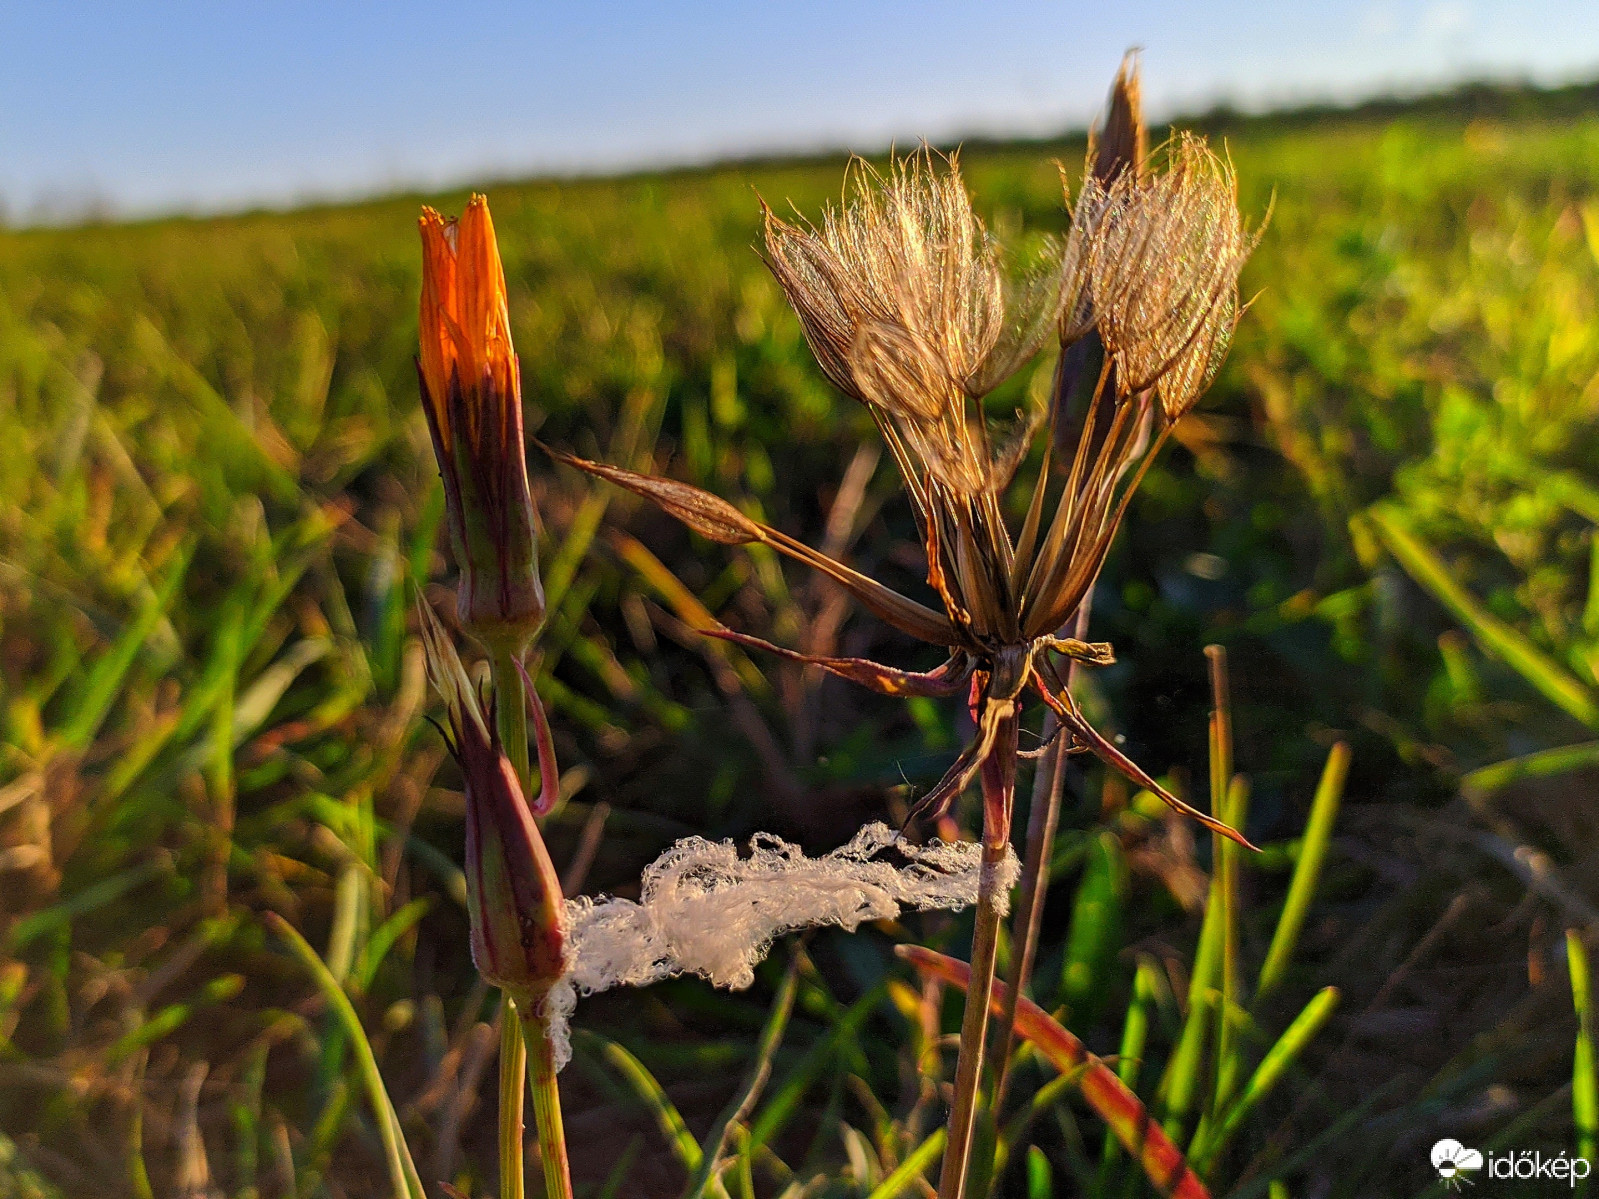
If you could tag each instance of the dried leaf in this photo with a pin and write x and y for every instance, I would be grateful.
(945, 680)
(708, 515)
(1066, 711)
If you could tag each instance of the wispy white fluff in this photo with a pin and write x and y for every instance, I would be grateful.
(707, 910)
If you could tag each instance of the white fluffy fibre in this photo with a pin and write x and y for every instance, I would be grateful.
(706, 910)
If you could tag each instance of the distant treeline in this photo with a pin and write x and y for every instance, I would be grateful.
(1466, 102)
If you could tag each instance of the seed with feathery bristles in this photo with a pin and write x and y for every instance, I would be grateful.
(1163, 271)
(911, 307)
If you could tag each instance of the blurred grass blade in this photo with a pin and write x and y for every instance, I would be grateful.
(1307, 871)
(785, 1102)
(1228, 1057)
(1584, 1085)
(643, 1085)
(169, 1019)
(1129, 1056)
(1095, 930)
(1122, 1110)
(402, 1170)
(1494, 635)
(105, 677)
(382, 940)
(1485, 780)
(619, 1172)
(96, 895)
(1040, 1178)
(1270, 1071)
(1180, 1083)
(914, 1167)
(738, 1108)
(15, 1174)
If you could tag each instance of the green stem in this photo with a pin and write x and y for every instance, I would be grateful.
(546, 1106)
(974, 1031)
(510, 716)
(999, 780)
(510, 722)
(1043, 817)
(513, 1067)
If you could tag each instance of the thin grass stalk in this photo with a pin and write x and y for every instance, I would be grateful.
(734, 1117)
(546, 1106)
(1129, 1063)
(1278, 1059)
(405, 1181)
(999, 783)
(1584, 1084)
(1223, 863)
(1229, 1057)
(909, 1172)
(513, 1069)
(1178, 1086)
(1043, 818)
(1307, 871)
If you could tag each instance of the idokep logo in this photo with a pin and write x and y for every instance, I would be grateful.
(1453, 1161)
(1455, 1164)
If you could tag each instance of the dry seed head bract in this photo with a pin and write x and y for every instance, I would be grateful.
(910, 307)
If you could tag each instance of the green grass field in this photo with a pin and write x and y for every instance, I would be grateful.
(216, 487)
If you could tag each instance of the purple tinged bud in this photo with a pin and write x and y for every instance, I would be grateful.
(513, 893)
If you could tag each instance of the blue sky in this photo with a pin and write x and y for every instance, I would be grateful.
(202, 106)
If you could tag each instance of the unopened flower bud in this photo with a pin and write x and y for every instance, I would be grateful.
(472, 394)
(513, 893)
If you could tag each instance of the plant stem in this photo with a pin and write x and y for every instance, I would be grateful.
(546, 1106)
(510, 716)
(1043, 817)
(510, 722)
(999, 786)
(513, 1067)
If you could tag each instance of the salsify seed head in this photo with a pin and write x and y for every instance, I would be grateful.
(472, 395)
(914, 310)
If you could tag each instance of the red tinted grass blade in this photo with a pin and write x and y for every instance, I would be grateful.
(1125, 1114)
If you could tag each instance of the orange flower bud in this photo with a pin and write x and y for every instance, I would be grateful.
(472, 394)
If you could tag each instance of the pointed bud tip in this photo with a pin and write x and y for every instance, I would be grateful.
(1120, 144)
